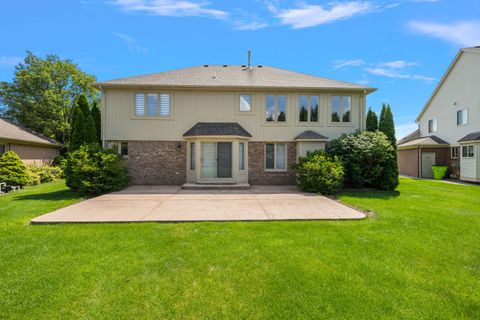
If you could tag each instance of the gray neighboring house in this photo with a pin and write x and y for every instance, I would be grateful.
(31, 146)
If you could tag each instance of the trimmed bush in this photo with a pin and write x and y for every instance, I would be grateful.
(368, 158)
(42, 174)
(12, 170)
(319, 172)
(33, 176)
(92, 170)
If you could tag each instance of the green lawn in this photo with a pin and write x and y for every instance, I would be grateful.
(418, 257)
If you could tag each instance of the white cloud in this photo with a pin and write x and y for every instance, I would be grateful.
(465, 33)
(182, 8)
(404, 129)
(130, 42)
(398, 64)
(9, 61)
(392, 73)
(249, 25)
(339, 64)
(308, 15)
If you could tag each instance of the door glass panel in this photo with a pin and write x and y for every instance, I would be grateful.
(209, 160)
(224, 160)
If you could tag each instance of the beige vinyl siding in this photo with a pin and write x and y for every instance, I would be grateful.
(190, 107)
(458, 92)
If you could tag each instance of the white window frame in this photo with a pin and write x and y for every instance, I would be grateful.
(275, 165)
(275, 109)
(309, 109)
(117, 146)
(454, 153)
(341, 110)
(434, 125)
(464, 117)
(161, 96)
(239, 110)
(469, 148)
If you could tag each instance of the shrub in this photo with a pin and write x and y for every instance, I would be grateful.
(368, 159)
(33, 175)
(12, 170)
(319, 172)
(42, 174)
(59, 161)
(92, 170)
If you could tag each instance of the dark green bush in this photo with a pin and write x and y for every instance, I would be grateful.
(319, 172)
(368, 158)
(12, 170)
(93, 170)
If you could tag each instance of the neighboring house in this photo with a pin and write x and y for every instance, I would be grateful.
(225, 124)
(32, 147)
(449, 124)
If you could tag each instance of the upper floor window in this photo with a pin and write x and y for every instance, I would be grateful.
(462, 117)
(341, 108)
(276, 108)
(468, 152)
(432, 125)
(245, 103)
(308, 109)
(152, 105)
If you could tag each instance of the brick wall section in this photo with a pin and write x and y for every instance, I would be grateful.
(442, 158)
(157, 162)
(256, 168)
(408, 162)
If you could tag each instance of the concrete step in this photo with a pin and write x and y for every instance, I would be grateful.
(215, 186)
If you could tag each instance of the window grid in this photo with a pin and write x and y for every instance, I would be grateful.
(152, 105)
(468, 152)
(308, 108)
(275, 157)
(276, 108)
(341, 109)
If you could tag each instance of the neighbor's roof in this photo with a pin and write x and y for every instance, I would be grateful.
(217, 129)
(412, 136)
(233, 76)
(444, 78)
(424, 141)
(11, 131)
(310, 135)
(474, 136)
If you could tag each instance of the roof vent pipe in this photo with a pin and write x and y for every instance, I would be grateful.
(249, 59)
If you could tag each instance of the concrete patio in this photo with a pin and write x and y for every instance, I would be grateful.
(172, 204)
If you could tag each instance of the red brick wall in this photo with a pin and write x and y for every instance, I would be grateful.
(408, 162)
(256, 166)
(157, 162)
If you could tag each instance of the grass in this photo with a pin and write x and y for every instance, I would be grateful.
(417, 258)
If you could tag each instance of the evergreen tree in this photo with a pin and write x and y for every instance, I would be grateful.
(372, 121)
(12, 170)
(79, 131)
(82, 102)
(90, 131)
(97, 120)
(387, 126)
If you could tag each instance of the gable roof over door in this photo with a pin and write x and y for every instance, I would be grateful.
(234, 76)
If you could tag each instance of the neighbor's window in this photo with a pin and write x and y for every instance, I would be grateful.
(152, 104)
(3, 148)
(192, 156)
(462, 117)
(276, 108)
(432, 125)
(275, 156)
(341, 108)
(245, 103)
(124, 148)
(241, 156)
(308, 108)
(454, 152)
(468, 152)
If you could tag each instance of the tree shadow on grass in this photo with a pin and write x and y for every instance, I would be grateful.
(60, 195)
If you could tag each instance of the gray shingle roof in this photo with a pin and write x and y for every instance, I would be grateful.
(424, 141)
(233, 76)
(310, 135)
(474, 136)
(14, 132)
(217, 129)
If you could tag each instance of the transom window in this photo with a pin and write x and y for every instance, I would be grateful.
(341, 108)
(275, 156)
(152, 105)
(454, 152)
(245, 103)
(276, 108)
(432, 125)
(468, 152)
(308, 109)
(462, 117)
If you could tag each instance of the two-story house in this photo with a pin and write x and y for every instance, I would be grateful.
(448, 125)
(225, 123)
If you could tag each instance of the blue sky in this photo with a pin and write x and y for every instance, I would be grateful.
(401, 47)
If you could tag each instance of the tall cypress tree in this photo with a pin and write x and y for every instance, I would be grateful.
(78, 131)
(372, 120)
(387, 126)
(97, 120)
(90, 131)
(82, 102)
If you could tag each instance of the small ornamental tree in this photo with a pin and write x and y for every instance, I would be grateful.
(12, 170)
(90, 131)
(79, 130)
(372, 121)
(98, 122)
(319, 172)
